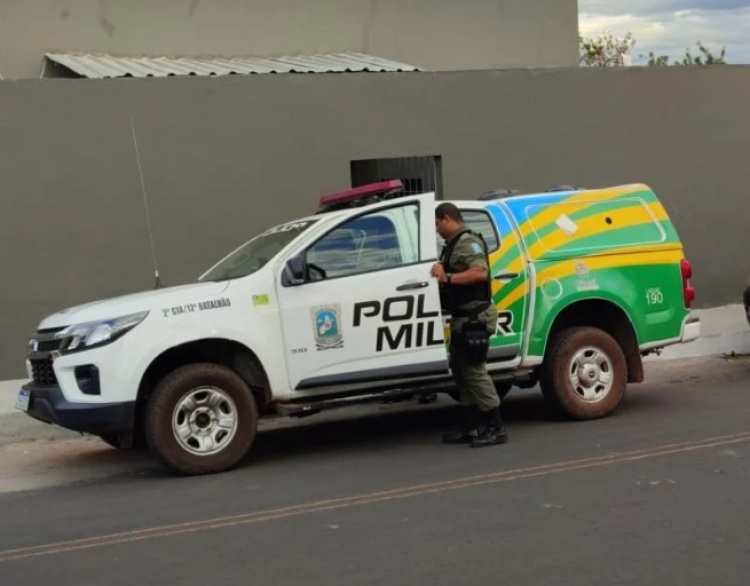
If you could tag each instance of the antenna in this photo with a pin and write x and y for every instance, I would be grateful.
(145, 203)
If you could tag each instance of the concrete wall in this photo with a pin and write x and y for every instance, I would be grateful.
(437, 35)
(225, 157)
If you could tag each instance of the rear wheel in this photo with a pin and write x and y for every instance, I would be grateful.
(201, 419)
(584, 374)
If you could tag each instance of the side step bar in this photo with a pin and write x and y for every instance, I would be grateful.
(395, 395)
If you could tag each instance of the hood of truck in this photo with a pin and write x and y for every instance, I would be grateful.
(155, 300)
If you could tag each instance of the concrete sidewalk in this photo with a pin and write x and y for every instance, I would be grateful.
(16, 426)
(724, 331)
(8, 392)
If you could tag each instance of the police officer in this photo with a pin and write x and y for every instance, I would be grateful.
(465, 291)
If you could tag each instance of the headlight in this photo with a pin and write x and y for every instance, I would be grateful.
(97, 333)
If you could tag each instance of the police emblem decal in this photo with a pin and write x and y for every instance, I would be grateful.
(327, 327)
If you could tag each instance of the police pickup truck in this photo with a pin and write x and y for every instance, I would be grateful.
(339, 307)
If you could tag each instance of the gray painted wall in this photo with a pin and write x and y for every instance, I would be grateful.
(225, 157)
(436, 35)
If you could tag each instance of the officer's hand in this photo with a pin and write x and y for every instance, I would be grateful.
(438, 271)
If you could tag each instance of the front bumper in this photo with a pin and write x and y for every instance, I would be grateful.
(746, 301)
(49, 405)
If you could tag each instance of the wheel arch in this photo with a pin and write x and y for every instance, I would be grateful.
(222, 351)
(608, 315)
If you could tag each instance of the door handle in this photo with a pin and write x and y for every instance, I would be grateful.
(506, 275)
(414, 285)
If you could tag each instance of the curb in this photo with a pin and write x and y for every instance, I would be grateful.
(719, 345)
(17, 427)
(724, 331)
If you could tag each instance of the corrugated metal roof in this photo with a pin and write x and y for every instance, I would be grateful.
(97, 66)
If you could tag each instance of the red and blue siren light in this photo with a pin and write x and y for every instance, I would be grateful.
(359, 195)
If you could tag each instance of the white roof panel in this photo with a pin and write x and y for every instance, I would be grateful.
(98, 66)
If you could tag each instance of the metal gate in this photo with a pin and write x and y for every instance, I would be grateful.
(418, 174)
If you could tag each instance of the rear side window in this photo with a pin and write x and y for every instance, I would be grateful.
(481, 223)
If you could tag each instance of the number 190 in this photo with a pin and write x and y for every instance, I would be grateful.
(654, 296)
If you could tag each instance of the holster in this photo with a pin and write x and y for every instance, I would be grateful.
(472, 341)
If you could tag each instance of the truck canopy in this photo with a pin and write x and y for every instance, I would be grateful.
(576, 223)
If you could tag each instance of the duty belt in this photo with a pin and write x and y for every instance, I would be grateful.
(472, 313)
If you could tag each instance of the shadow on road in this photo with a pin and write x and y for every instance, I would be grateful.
(394, 425)
(364, 430)
(380, 427)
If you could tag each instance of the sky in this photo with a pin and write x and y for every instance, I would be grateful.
(668, 27)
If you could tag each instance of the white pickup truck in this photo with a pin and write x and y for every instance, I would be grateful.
(339, 307)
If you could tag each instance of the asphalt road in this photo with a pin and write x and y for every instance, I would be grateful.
(654, 495)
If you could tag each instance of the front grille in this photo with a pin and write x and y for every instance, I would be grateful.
(42, 372)
(41, 345)
(48, 345)
(45, 341)
(47, 331)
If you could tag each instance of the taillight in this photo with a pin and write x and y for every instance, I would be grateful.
(688, 293)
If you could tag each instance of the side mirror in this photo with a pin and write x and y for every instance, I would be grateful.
(294, 271)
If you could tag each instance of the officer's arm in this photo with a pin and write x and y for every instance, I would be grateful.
(472, 255)
(469, 276)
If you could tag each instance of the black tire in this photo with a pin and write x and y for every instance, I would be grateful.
(502, 388)
(231, 393)
(554, 379)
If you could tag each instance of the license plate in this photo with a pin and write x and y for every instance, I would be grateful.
(22, 401)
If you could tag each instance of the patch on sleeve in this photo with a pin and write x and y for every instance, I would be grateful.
(476, 248)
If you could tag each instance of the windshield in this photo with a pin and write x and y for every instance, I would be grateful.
(254, 255)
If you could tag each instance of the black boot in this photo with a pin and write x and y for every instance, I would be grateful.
(469, 429)
(492, 432)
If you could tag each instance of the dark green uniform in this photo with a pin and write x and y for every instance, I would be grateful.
(474, 383)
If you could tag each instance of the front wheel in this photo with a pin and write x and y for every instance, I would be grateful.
(584, 373)
(201, 419)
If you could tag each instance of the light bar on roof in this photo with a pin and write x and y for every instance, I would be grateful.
(352, 195)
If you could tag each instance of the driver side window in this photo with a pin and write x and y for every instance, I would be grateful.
(380, 240)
